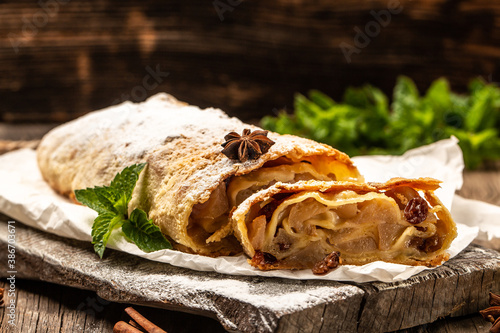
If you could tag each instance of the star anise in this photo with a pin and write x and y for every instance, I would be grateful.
(492, 314)
(249, 145)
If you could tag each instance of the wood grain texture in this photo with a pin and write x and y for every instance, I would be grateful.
(76, 56)
(255, 304)
(467, 324)
(64, 309)
(482, 185)
(47, 307)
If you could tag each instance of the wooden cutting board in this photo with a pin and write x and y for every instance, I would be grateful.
(258, 304)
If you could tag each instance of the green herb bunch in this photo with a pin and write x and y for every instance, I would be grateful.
(111, 204)
(365, 123)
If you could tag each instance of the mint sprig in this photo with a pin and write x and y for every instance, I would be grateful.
(365, 122)
(144, 233)
(111, 203)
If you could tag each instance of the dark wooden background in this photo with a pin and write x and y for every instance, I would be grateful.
(62, 58)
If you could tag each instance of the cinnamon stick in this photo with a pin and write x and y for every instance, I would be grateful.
(143, 322)
(123, 327)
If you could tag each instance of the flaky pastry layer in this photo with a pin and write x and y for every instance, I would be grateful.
(186, 172)
(297, 225)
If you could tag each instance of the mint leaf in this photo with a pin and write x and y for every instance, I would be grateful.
(406, 99)
(90, 198)
(115, 197)
(365, 123)
(101, 230)
(146, 235)
(125, 181)
(123, 185)
(111, 203)
(481, 115)
(324, 101)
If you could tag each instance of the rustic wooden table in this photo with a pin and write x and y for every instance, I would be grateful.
(46, 307)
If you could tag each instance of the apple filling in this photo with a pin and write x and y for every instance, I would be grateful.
(209, 221)
(297, 230)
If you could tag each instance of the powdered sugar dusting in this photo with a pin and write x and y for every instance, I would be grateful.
(161, 126)
(270, 295)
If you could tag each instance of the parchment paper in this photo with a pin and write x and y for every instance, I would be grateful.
(26, 197)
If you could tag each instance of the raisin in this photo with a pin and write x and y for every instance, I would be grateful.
(416, 242)
(329, 262)
(281, 196)
(431, 244)
(320, 268)
(333, 260)
(269, 258)
(416, 210)
(263, 258)
(269, 209)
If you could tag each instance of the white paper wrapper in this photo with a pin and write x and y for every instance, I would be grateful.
(26, 197)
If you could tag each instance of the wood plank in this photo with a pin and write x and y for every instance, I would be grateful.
(97, 319)
(482, 185)
(50, 316)
(250, 304)
(24, 132)
(49, 311)
(468, 324)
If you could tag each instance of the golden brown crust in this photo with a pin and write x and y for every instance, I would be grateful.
(429, 184)
(436, 261)
(181, 145)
